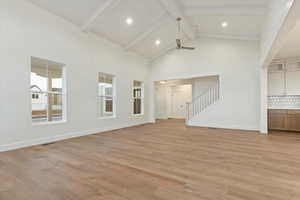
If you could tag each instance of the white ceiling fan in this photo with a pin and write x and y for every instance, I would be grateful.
(179, 41)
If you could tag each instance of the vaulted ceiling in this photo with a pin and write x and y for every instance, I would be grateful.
(155, 20)
(291, 45)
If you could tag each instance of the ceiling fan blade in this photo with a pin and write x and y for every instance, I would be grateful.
(188, 48)
(178, 41)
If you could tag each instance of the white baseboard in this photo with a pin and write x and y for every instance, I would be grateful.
(218, 126)
(45, 140)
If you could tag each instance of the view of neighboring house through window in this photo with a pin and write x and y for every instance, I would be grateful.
(106, 101)
(138, 98)
(47, 90)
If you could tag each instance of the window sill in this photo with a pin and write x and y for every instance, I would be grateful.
(138, 115)
(112, 117)
(48, 123)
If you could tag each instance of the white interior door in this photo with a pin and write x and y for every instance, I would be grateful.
(180, 96)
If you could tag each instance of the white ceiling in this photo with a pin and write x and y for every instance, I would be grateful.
(291, 47)
(155, 19)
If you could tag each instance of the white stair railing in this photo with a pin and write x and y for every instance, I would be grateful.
(203, 101)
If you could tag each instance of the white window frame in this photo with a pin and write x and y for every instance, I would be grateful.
(141, 98)
(108, 96)
(113, 97)
(62, 93)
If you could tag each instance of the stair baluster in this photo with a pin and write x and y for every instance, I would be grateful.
(200, 103)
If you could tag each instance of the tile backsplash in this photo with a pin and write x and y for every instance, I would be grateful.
(284, 102)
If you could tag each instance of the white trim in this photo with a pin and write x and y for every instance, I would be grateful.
(49, 123)
(137, 115)
(188, 77)
(170, 47)
(148, 32)
(90, 22)
(108, 117)
(63, 92)
(106, 98)
(236, 10)
(288, 60)
(174, 11)
(287, 21)
(218, 126)
(45, 140)
(65, 95)
(45, 92)
(228, 36)
(113, 97)
(142, 98)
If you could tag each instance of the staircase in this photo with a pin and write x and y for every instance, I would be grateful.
(201, 102)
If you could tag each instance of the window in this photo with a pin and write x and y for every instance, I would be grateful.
(138, 98)
(35, 96)
(106, 97)
(47, 90)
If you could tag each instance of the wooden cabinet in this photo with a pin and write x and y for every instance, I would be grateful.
(293, 120)
(278, 119)
(285, 120)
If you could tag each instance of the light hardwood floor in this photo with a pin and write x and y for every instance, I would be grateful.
(163, 161)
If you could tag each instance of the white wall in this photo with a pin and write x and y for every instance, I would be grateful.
(27, 30)
(277, 12)
(264, 100)
(162, 102)
(282, 16)
(237, 64)
(201, 85)
(274, 24)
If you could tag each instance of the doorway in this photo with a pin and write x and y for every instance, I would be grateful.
(180, 95)
(172, 96)
(171, 99)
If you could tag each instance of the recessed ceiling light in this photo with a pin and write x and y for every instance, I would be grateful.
(129, 21)
(224, 24)
(157, 42)
(163, 82)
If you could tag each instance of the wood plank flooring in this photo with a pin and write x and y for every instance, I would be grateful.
(163, 161)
